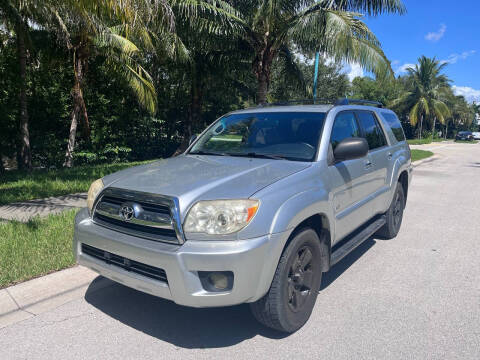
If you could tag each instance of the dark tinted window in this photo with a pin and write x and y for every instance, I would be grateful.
(345, 126)
(395, 125)
(373, 132)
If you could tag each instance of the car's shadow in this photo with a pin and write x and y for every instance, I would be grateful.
(191, 327)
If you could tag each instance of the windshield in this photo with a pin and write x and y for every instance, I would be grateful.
(282, 135)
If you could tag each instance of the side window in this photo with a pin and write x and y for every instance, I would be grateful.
(345, 126)
(395, 125)
(373, 132)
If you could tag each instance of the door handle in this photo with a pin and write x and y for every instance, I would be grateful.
(367, 164)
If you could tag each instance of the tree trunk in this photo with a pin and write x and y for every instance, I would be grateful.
(24, 152)
(421, 125)
(262, 65)
(433, 128)
(79, 109)
(2, 168)
(262, 88)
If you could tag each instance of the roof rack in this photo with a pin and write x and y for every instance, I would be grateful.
(337, 102)
(346, 101)
(300, 102)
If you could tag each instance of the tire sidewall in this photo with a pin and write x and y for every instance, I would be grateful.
(396, 229)
(290, 319)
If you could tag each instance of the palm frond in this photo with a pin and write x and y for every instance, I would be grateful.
(112, 40)
(142, 85)
(370, 7)
(413, 115)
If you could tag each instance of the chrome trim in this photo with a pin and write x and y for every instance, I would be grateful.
(141, 216)
(166, 222)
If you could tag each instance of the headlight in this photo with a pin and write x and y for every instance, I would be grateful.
(220, 217)
(95, 188)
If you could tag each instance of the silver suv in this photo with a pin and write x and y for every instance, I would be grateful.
(260, 205)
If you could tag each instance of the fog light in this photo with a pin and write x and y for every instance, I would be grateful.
(216, 281)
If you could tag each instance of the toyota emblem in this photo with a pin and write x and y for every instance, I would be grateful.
(127, 212)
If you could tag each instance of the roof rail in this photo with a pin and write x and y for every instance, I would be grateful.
(337, 102)
(346, 101)
(300, 102)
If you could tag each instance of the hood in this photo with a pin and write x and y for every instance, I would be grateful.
(198, 177)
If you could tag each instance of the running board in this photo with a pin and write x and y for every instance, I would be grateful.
(350, 244)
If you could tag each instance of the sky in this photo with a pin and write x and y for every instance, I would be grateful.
(449, 31)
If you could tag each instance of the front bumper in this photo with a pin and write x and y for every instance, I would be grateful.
(253, 263)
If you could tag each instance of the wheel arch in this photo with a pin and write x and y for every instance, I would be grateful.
(320, 224)
(403, 180)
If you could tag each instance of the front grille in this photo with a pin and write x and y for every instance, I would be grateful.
(139, 229)
(149, 271)
(152, 216)
(163, 209)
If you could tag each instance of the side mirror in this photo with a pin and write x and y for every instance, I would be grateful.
(351, 148)
(192, 139)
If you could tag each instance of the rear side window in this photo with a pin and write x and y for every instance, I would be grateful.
(345, 126)
(372, 130)
(395, 125)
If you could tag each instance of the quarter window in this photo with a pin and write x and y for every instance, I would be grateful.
(395, 125)
(345, 126)
(372, 131)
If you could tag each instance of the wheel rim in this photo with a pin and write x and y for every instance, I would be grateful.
(397, 210)
(300, 279)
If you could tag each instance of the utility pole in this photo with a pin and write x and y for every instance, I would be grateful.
(317, 59)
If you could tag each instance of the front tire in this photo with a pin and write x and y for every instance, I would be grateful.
(290, 300)
(394, 215)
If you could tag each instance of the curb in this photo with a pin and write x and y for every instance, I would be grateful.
(427, 160)
(28, 299)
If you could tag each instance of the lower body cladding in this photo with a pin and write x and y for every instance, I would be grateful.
(197, 273)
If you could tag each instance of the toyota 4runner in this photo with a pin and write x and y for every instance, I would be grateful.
(254, 211)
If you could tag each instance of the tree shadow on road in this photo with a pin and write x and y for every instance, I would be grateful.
(187, 327)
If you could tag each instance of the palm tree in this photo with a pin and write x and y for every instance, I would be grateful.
(273, 28)
(429, 88)
(99, 27)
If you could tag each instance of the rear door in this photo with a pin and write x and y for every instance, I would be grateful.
(380, 156)
(350, 180)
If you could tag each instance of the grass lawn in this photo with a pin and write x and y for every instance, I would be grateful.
(419, 141)
(466, 142)
(28, 250)
(420, 154)
(19, 185)
(424, 141)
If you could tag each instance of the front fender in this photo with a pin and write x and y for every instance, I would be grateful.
(300, 207)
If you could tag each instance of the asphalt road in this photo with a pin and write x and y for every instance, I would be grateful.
(417, 296)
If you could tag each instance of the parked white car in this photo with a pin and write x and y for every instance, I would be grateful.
(476, 135)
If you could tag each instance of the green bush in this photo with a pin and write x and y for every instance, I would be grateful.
(110, 154)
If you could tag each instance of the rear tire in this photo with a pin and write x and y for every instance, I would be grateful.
(394, 215)
(290, 300)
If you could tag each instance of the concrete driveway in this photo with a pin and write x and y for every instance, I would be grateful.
(417, 296)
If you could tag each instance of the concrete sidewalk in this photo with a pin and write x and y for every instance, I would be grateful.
(26, 210)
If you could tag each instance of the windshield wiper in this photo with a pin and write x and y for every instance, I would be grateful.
(259, 155)
(201, 152)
